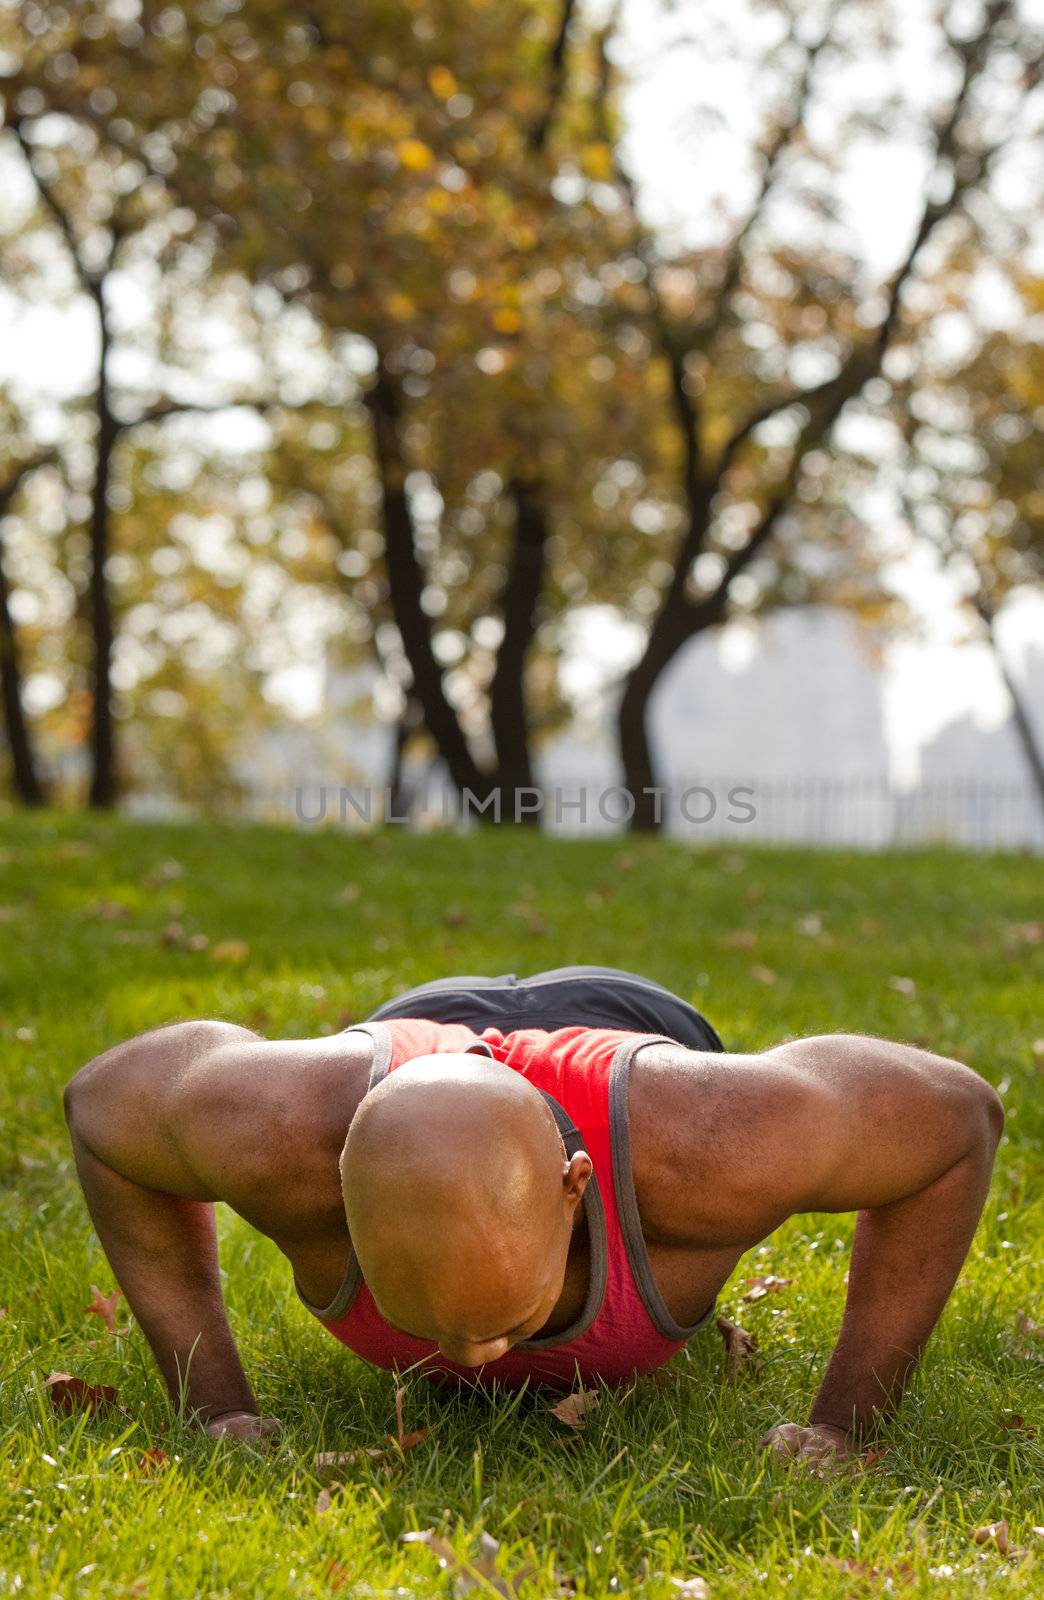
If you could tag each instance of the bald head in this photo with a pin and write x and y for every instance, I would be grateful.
(460, 1202)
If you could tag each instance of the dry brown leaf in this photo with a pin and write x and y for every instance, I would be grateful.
(741, 939)
(996, 1536)
(69, 1393)
(348, 895)
(173, 935)
(455, 917)
(902, 1572)
(741, 1349)
(1024, 932)
(766, 1284)
(764, 975)
(75, 850)
(1026, 1330)
(198, 941)
(104, 1306)
(467, 1574)
(107, 910)
(232, 951)
(152, 1460)
(325, 1498)
(335, 1575)
(574, 1408)
(165, 872)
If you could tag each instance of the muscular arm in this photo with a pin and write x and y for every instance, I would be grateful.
(161, 1127)
(849, 1123)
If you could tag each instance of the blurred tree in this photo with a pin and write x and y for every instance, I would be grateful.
(973, 485)
(103, 211)
(26, 782)
(750, 433)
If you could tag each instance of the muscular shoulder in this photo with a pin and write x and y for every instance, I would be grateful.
(263, 1122)
(727, 1146)
(716, 1142)
(210, 1111)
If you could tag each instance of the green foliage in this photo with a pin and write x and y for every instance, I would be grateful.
(665, 1480)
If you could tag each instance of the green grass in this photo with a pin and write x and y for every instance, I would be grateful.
(666, 1480)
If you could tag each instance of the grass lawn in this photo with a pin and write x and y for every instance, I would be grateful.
(665, 1481)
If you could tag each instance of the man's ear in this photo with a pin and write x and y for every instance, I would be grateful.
(576, 1175)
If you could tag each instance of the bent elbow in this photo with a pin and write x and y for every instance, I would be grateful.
(993, 1110)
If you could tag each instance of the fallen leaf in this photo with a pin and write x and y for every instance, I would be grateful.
(107, 910)
(902, 1571)
(198, 941)
(573, 1409)
(406, 1441)
(25, 1035)
(741, 1349)
(325, 1498)
(811, 926)
(70, 1394)
(151, 1460)
(75, 850)
(467, 1574)
(165, 872)
(335, 1575)
(902, 985)
(104, 1306)
(996, 1536)
(1024, 932)
(768, 1284)
(334, 1462)
(624, 862)
(348, 895)
(173, 934)
(455, 917)
(764, 975)
(232, 951)
(741, 939)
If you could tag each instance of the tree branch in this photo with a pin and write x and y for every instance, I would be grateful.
(556, 79)
(45, 190)
(22, 470)
(774, 147)
(867, 359)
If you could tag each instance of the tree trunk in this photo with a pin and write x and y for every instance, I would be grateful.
(408, 724)
(24, 776)
(508, 710)
(676, 623)
(1024, 729)
(406, 582)
(103, 789)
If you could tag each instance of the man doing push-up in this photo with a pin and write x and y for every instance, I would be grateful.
(544, 1180)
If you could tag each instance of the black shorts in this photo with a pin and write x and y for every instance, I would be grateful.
(567, 997)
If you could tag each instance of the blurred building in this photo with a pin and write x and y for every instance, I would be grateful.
(791, 713)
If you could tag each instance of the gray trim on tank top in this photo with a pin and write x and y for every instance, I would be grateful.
(627, 1200)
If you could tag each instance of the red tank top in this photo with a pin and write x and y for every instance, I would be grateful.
(624, 1327)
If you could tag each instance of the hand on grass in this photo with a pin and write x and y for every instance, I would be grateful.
(818, 1444)
(245, 1426)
